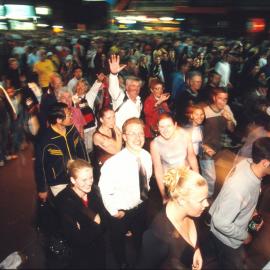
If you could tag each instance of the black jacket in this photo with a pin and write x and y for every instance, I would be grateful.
(52, 154)
(72, 212)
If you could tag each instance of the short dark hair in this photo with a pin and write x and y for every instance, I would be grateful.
(57, 111)
(217, 90)
(261, 149)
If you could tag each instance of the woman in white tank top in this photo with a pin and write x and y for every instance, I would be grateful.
(171, 149)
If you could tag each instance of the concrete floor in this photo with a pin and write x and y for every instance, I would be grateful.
(17, 208)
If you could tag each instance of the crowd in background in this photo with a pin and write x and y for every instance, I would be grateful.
(195, 94)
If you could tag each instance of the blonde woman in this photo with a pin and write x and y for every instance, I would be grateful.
(80, 211)
(171, 240)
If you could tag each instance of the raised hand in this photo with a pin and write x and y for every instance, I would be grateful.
(114, 63)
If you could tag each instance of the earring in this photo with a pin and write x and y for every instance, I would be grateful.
(181, 202)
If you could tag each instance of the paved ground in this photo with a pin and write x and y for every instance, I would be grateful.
(17, 208)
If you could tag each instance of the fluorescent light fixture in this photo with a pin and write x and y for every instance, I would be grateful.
(43, 11)
(180, 19)
(42, 25)
(58, 26)
(126, 21)
(166, 18)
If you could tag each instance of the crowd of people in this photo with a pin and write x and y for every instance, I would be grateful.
(112, 116)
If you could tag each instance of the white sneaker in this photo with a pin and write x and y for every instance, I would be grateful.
(2, 163)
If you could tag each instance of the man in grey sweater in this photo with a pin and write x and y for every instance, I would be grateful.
(235, 205)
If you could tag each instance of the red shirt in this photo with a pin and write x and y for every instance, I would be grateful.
(152, 114)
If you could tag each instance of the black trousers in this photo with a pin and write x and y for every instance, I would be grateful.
(228, 258)
(135, 221)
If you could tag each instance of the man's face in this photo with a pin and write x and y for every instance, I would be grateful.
(14, 65)
(220, 100)
(134, 137)
(195, 83)
(56, 82)
(215, 80)
(78, 73)
(133, 89)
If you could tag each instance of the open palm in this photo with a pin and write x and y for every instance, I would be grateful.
(114, 63)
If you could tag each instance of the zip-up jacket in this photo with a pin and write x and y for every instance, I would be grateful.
(52, 154)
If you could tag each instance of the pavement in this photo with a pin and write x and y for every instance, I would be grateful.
(18, 205)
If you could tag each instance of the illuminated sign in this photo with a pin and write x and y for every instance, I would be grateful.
(19, 12)
(256, 25)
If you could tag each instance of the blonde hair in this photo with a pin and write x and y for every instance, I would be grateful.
(74, 166)
(179, 182)
(130, 121)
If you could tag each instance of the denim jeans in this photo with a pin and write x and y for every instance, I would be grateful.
(208, 171)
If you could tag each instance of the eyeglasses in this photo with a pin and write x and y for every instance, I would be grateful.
(132, 134)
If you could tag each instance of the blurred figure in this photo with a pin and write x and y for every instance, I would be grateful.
(77, 117)
(212, 83)
(80, 102)
(44, 69)
(189, 96)
(77, 75)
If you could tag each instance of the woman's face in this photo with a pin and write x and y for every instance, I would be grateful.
(157, 90)
(84, 180)
(196, 202)
(108, 120)
(166, 128)
(197, 117)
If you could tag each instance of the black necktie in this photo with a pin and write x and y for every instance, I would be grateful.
(143, 181)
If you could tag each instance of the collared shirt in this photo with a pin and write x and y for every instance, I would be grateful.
(129, 108)
(233, 208)
(119, 181)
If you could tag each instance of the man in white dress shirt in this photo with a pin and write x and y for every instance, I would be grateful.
(125, 104)
(121, 190)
